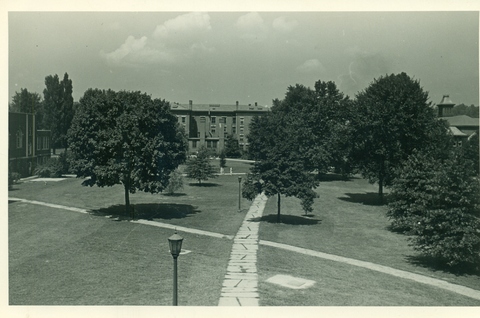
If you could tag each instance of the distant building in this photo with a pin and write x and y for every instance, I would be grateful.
(27, 146)
(209, 124)
(462, 127)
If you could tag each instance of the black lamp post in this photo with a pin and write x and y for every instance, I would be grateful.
(239, 192)
(175, 243)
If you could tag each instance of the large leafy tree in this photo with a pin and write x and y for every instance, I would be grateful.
(58, 108)
(27, 102)
(437, 200)
(392, 118)
(125, 138)
(281, 166)
(232, 148)
(199, 167)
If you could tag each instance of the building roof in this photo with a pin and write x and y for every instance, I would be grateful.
(456, 132)
(462, 120)
(218, 107)
(446, 101)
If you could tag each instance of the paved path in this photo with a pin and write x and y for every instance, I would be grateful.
(240, 287)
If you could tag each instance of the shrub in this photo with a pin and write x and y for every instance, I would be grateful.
(175, 182)
(223, 161)
(13, 177)
(438, 201)
(53, 168)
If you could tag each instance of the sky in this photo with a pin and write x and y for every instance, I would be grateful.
(245, 56)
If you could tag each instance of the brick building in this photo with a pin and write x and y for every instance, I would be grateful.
(462, 127)
(209, 124)
(27, 146)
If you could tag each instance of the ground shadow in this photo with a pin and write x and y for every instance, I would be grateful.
(12, 201)
(439, 264)
(150, 211)
(204, 184)
(286, 219)
(174, 194)
(328, 177)
(370, 198)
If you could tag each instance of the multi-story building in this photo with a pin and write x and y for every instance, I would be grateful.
(27, 146)
(462, 127)
(209, 124)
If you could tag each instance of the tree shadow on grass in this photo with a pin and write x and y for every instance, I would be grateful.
(174, 194)
(370, 198)
(328, 177)
(286, 219)
(149, 211)
(204, 184)
(439, 264)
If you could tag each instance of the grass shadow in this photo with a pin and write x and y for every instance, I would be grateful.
(286, 219)
(439, 264)
(174, 194)
(329, 177)
(150, 211)
(370, 198)
(204, 184)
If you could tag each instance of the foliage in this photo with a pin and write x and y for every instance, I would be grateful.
(199, 167)
(462, 109)
(13, 177)
(392, 118)
(175, 182)
(53, 168)
(58, 108)
(125, 138)
(281, 165)
(223, 161)
(232, 148)
(437, 200)
(471, 151)
(27, 102)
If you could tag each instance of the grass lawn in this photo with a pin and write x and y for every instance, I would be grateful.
(59, 257)
(347, 221)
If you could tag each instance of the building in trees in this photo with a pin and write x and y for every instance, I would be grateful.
(27, 145)
(462, 127)
(209, 125)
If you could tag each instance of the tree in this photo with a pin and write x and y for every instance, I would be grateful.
(175, 182)
(125, 138)
(26, 102)
(199, 167)
(438, 200)
(471, 152)
(58, 108)
(232, 149)
(281, 168)
(392, 118)
(223, 161)
(463, 109)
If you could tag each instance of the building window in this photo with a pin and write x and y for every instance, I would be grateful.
(234, 120)
(241, 120)
(212, 144)
(46, 143)
(234, 130)
(213, 129)
(184, 119)
(19, 139)
(214, 120)
(194, 144)
(224, 120)
(202, 119)
(241, 130)
(241, 136)
(39, 143)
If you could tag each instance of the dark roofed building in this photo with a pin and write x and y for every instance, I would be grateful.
(209, 124)
(462, 127)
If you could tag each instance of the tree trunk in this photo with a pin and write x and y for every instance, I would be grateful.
(127, 199)
(278, 208)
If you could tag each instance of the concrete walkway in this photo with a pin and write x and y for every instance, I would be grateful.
(240, 287)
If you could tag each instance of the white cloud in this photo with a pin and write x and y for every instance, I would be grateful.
(136, 51)
(252, 26)
(284, 24)
(184, 28)
(311, 66)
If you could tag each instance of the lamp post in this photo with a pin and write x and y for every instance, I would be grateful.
(175, 243)
(239, 193)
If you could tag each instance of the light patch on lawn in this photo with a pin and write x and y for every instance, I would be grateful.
(291, 282)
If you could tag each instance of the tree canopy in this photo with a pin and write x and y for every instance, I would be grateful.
(199, 167)
(26, 102)
(125, 138)
(58, 108)
(392, 118)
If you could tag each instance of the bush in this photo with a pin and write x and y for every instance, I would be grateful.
(175, 182)
(223, 161)
(13, 177)
(438, 201)
(53, 168)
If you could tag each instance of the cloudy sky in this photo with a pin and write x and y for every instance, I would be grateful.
(247, 56)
